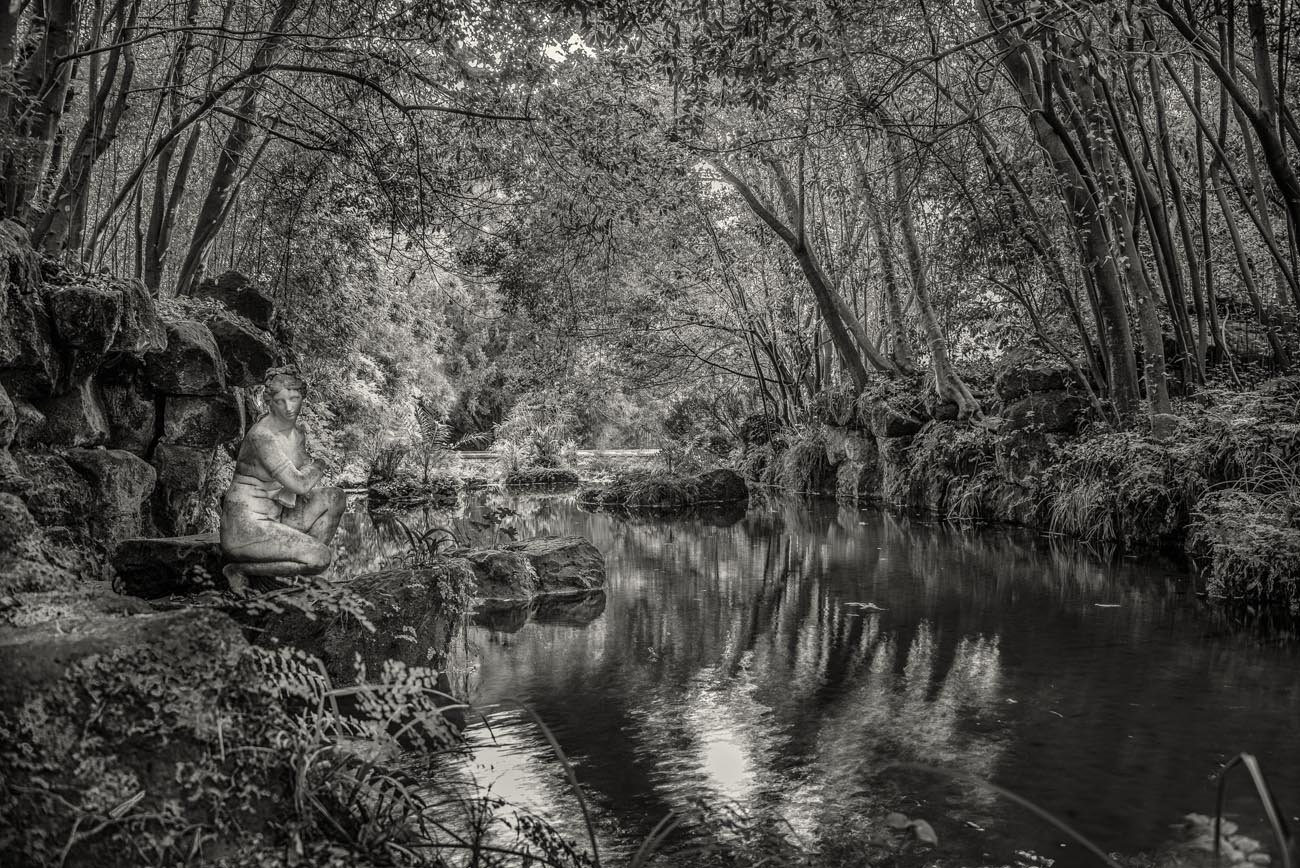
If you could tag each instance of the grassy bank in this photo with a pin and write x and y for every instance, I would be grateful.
(1218, 480)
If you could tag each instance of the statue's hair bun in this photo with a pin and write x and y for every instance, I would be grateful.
(284, 378)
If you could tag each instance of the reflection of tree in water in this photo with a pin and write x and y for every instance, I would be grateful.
(740, 673)
(728, 662)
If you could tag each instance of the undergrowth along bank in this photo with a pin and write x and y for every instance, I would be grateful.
(1219, 480)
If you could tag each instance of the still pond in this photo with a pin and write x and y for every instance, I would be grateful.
(780, 659)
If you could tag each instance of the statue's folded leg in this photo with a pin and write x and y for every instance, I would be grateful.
(266, 547)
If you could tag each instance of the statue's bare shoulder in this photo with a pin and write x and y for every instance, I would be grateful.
(260, 444)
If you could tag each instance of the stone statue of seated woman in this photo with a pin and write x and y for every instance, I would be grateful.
(278, 517)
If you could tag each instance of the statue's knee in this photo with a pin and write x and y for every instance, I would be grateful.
(333, 497)
(317, 558)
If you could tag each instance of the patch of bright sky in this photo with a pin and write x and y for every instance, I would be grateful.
(575, 44)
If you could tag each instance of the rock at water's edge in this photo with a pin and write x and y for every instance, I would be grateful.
(563, 562)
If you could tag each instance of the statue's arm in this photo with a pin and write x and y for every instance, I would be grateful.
(279, 464)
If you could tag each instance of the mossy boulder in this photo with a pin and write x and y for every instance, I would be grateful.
(144, 729)
(563, 563)
(410, 616)
(191, 364)
(1024, 371)
(501, 575)
(720, 486)
(1058, 412)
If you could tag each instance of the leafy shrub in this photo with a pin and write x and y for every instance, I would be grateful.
(1248, 546)
(804, 467)
(944, 457)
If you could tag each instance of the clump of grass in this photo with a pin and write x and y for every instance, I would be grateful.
(945, 461)
(645, 489)
(1248, 545)
(761, 464)
(803, 467)
(1118, 487)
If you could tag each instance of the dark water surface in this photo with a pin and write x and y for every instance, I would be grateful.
(729, 664)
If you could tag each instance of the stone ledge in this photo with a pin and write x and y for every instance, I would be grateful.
(152, 568)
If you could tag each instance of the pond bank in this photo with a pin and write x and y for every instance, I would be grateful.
(1219, 482)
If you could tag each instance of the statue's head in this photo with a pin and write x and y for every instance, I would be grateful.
(283, 393)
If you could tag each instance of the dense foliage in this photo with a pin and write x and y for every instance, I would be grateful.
(478, 203)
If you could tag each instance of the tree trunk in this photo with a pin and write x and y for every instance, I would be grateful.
(242, 131)
(59, 230)
(831, 313)
(34, 116)
(1085, 212)
(947, 382)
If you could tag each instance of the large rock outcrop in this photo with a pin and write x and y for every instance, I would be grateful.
(191, 364)
(238, 294)
(26, 561)
(94, 496)
(74, 418)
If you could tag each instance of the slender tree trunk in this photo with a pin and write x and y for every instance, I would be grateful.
(34, 116)
(1265, 118)
(60, 228)
(1207, 250)
(1084, 209)
(947, 382)
(1184, 219)
(1102, 136)
(242, 131)
(900, 350)
(832, 314)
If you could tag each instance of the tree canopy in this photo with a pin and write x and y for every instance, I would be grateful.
(781, 199)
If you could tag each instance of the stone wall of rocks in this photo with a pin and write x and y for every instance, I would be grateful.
(117, 417)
